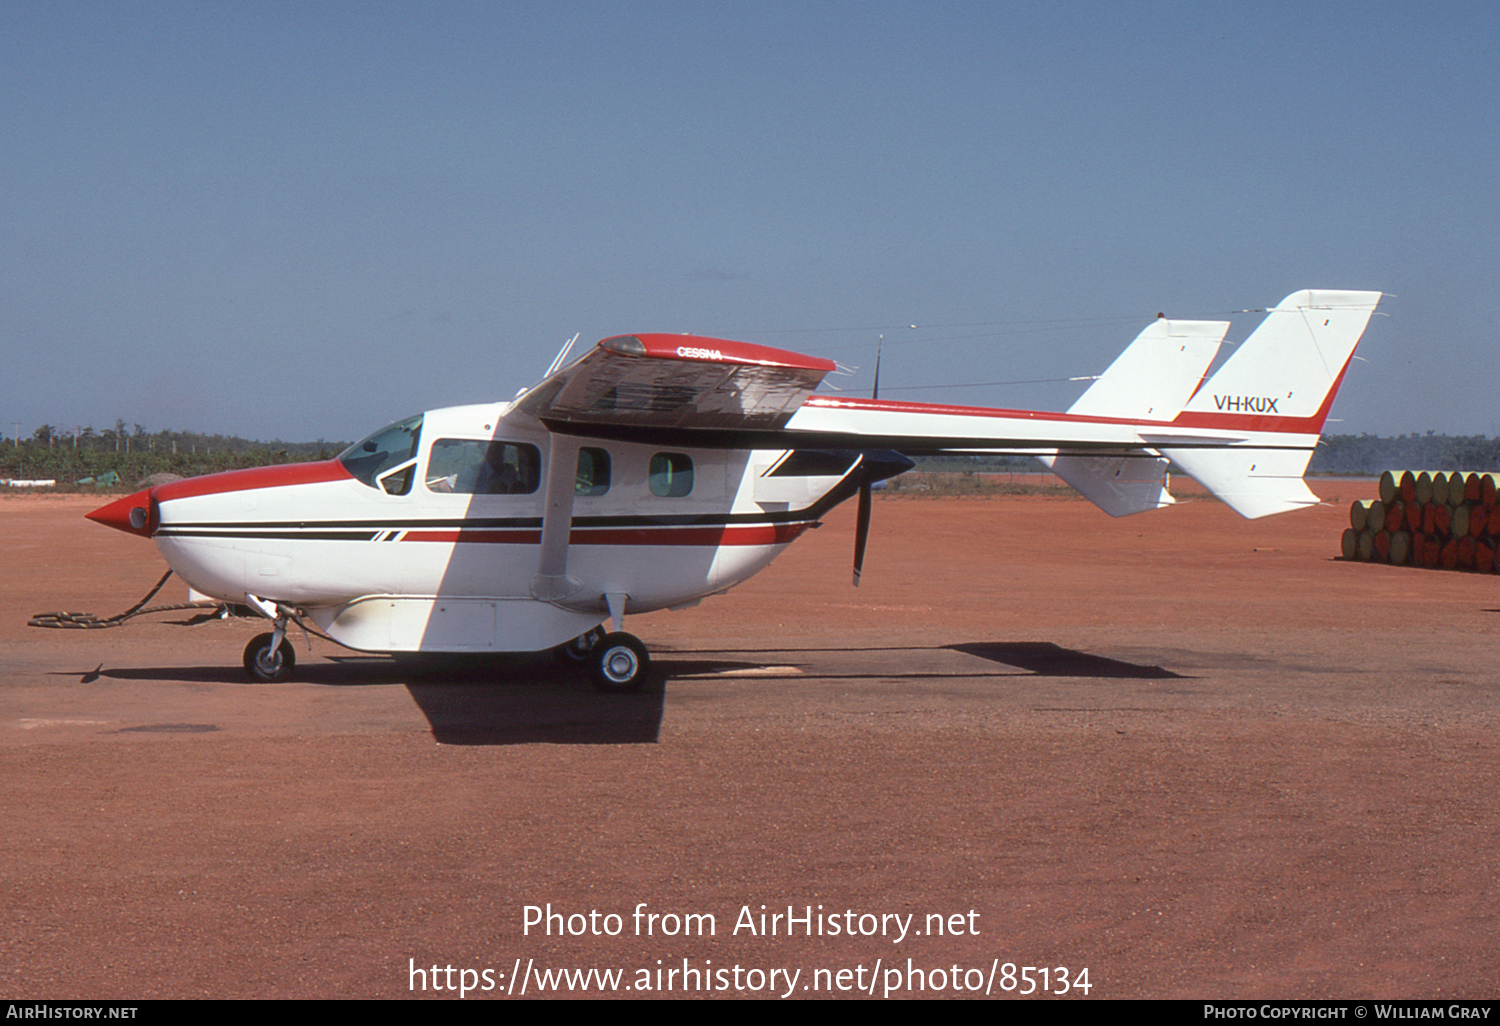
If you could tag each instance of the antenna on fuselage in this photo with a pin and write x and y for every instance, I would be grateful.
(562, 355)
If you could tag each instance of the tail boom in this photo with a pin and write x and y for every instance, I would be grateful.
(1246, 433)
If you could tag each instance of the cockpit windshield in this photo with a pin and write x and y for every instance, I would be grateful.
(387, 459)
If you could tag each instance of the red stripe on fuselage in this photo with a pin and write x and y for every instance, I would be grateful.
(476, 537)
(713, 537)
(253, 478)
(756, 534)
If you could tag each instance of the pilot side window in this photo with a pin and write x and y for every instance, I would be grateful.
(387, 459)
(593, 472)
(476, 467)
(671, 475)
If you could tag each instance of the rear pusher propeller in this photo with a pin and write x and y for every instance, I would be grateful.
(862, 529)
(873, 466)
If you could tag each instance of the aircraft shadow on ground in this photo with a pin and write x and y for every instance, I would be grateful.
(526, 699)
(520, 699)
(1044, 659)
(531, 703)
(1031, 658)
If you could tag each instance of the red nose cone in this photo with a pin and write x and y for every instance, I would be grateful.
(135, 514)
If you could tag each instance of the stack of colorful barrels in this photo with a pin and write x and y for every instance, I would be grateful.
(1449, 520)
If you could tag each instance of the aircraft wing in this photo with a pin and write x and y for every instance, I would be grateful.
(713, 393)
(1246, 432)
(639, 385)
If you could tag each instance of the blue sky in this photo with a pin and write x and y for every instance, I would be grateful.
(303, 220)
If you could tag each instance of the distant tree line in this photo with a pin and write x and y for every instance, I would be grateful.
(1372, 454)
(134, 454)
(1363, 455)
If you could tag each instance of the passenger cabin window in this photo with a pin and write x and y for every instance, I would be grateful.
(593, 472)
(387, 459)
(477, 467)
(671, 475)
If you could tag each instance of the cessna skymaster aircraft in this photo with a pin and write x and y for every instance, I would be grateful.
(656, 470)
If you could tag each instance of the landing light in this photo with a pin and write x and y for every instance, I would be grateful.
(625, 345)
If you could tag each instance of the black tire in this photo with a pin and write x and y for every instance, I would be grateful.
(265, 666)
(577, 651)
(619, 663)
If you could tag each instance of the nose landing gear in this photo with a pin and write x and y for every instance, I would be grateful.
(269, 658)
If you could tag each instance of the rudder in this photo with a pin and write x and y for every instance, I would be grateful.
(1269, 402)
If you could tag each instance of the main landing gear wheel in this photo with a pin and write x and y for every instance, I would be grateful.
(619, 663)
(265, 665)
(577, 651)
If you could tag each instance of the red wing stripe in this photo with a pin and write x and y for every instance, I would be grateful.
(721, 350)
(945, 410)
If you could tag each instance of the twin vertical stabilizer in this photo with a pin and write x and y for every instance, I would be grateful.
(1247, 433)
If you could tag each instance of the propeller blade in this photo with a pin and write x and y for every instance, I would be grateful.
(861, 530)
(862, 525)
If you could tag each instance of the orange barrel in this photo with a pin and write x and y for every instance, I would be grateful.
(1406, 484)
(1448, 557)
(1442, 519)
(1471, 487)
(1479, 519)
(1484, 556)
(1381, 547)
(1487, 488)
(1395, 515)
(1465, 553)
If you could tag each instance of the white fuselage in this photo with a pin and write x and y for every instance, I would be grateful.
(403, 562)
